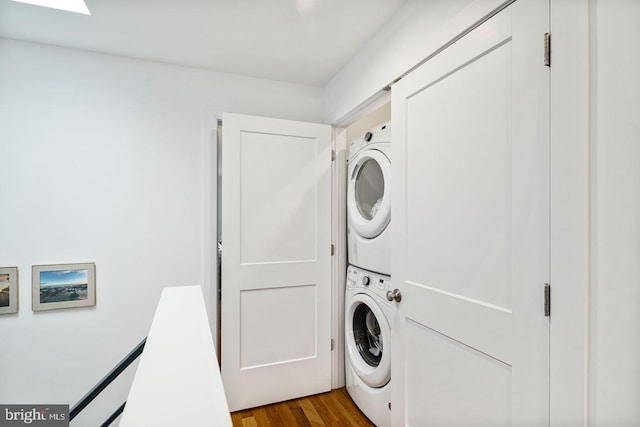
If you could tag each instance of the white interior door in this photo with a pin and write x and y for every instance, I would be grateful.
(471, 242)
(276, 265)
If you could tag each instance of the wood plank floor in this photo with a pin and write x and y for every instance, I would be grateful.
(334, 408)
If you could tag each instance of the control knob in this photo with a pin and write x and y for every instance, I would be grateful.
(366, 280)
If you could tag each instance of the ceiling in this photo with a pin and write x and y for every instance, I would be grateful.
(299, 41)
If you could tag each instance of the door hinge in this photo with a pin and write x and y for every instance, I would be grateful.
(547, 300)
(333, 249)
(547, 49)
(333, 155)
(332, 345)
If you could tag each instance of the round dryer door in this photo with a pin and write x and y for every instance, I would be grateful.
(367, 332)
(368, 193)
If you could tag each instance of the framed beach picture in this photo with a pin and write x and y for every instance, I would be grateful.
(8, 290)
(63, 286)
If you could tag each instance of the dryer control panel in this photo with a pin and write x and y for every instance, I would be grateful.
(376, 283)
(378, 134)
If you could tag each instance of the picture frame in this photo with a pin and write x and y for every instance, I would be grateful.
(8, 290)
(63, 286)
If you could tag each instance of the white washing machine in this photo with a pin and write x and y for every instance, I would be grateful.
(367, 344)
(369, 200)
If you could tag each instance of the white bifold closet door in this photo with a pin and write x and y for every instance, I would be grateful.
(471, 229)
(276, 260)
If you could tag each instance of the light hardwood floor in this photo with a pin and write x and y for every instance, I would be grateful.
(334, 408)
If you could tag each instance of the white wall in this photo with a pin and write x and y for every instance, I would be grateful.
(595, 155)
(414, 33)
(614, 377)
(569, 262)
(108, 160)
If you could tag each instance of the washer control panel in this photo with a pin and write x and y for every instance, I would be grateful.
(377, 283)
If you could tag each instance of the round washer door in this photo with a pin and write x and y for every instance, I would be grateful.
(369, 193)
(367, 333)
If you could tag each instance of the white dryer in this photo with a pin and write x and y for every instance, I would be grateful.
(367, 339)
(369, 200)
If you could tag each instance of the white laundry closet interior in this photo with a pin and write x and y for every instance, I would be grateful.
(367, 312)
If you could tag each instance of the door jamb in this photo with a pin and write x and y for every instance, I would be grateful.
(339, 259)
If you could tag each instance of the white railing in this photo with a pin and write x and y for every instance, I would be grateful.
(178, 382)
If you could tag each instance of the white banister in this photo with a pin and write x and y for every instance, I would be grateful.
(178, 382)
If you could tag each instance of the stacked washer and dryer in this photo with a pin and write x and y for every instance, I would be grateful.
(367, 311)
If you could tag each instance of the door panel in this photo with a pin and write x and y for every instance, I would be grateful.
(471, 249)
(276, 277)
(269, 340)
(461, 202)
(285, 163)
(476, 393)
